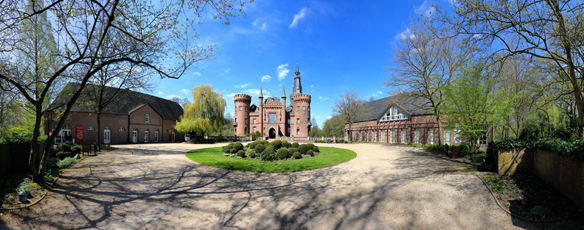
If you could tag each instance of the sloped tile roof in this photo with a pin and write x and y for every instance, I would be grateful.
(124, 103)
(411, 104)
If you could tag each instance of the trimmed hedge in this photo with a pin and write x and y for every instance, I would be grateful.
(304, 148)
(251, 154)
(297, 155)
(277, 144)
(310, 152)
(282, 154)
(268, 155)
(286, 144)
(292, 150)
(238, 146)
(240, 153)
(315, 149)
(259, 148)
(574, 150)
(294, 145)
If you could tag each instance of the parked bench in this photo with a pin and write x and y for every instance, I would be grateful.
(87, 149)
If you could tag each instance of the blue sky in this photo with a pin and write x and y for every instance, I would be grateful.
(339, 45)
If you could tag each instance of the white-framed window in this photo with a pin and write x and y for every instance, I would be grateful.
(374, 135)
(107, 135)
(146, 135)
(146, 118)
(394, 114)
(135, 136)
(122, 129)
(254, 121)
(403, 136)
(90, 128)
(417, 136)
(431, 136)
(393, 135)
(447, 136)
(254, 128)
(156, 136)
(383, 135)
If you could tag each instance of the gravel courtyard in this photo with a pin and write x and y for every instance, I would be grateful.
(154, 186)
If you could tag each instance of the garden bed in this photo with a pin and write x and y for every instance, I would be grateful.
(328, 156)
(528, 196)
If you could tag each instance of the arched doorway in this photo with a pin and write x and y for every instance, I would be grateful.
(272, 133)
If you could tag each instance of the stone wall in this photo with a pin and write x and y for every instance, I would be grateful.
(566, 174)
(518, 160)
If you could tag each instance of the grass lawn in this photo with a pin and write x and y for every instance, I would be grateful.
(329, 156)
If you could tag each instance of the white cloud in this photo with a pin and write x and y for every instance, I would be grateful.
(426, 9)
(160, 93)
(323, 98)
(405, 35)
(317, 117)
(329, 117)
(197, 74)
(257, 23)
(226, 71)
(379, 92)
(243, 86)
(279, 85)
(185, 91)
(266, 78)
(311, 86)
(171, 96)
(282, 71)
(230, 95)
(299, 16)
(256, 92)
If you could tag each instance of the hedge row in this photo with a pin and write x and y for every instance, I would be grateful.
(574, 150)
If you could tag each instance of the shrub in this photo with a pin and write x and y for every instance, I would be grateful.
(25, 187)
(240, 153)
(52, 162)
(269, 146)
(253, 144)
(310, 152)
(286, 144)
(319, 141)
(65, 162)
(297, 155)
(292, 150)
(62, 154)
(238, 146)
(251, 154)
(341, 141)
(311, 145)
(434, 148)
(264, 142)
(268, 155)
(259, 148)
(303, 148)
(464, 149)
(63, 148)
(294, 145)
(282, 153)
(277, 144)
(233, 151)
(315, 149)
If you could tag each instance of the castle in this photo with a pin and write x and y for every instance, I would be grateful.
(272, 118)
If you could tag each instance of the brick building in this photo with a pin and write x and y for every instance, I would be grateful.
(271, 117)
(399, 119)
(131, 117)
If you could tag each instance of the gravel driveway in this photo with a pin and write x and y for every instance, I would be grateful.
(154, 186)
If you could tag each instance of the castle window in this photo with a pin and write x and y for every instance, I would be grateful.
(298, 132)
(254, 128)
(254, 121)
(297, 108)
(297, 120)
(288, 130)
(245, 121)
(271, 117)
(303, 108)
(239, 108)
(146, 118)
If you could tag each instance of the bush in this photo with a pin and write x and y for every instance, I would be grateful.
(286, 144)
(259, 148)
(310, 152)
(253, 144)
(76, 149)
(265, 142)
(292, 150)
(240, 153)
(321, 141)
(269, 146)
(233, 151)
(465, 150)
(65, 162)
(294, 145)
(251, 154)
(62, 154)
(268, 155)
(311, 145)
(277, 144)
(341, 141)
(52, 162)
(238, 146)
(282, 153)
(303, 148)
(297, 155)
(315, 149)
(434, 148)
(63, 148)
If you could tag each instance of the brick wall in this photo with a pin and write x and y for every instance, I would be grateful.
(519, 160)
(566, 174)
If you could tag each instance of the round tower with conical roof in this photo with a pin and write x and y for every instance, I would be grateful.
(241, 123)
(301, 105)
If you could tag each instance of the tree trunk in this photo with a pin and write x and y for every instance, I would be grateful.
(33, 162)
(98, 140)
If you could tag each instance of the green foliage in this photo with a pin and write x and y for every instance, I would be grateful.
(25, 187)
(334, 127)
(64, 148)
(310, 145)
(315, 149)
(238, 146)
(292, 150)
(294, 145)
(251, 154)
(530, 131)
(65, 162)
(283, 153)
(253, 144)
(259, 148)
(240, 153)
(52, 162)
(465, 149)
(269, 146)
(268, 155)
(226, 148)
(63, 154)
(341, 141)
(304, 148)
(277, 144)
(434, 147)
(310, 152)
(205, 114)
(297, 155)
(574, 150)
(286, 144)
(76, 149)
(233, 151)
(538, 211)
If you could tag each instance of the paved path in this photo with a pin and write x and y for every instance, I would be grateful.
(154, 186)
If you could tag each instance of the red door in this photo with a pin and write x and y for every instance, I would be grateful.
(170, 135)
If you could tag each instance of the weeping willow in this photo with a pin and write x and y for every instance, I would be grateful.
(205, 114)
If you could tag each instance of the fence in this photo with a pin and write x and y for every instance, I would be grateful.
(14, 157)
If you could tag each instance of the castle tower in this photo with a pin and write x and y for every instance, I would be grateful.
(261, 110)
(301, 102)
(241, 124)
(297, 88)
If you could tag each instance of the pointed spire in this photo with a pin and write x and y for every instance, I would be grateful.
(283, 91)
(261, 92)
(297, 71)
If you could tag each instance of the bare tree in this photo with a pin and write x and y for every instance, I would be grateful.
(351, 109)
(425, 64)
(182, 102)
(90, 35)
(547, 29)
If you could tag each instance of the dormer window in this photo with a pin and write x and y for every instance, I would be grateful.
(147, 118)
(394, 114)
